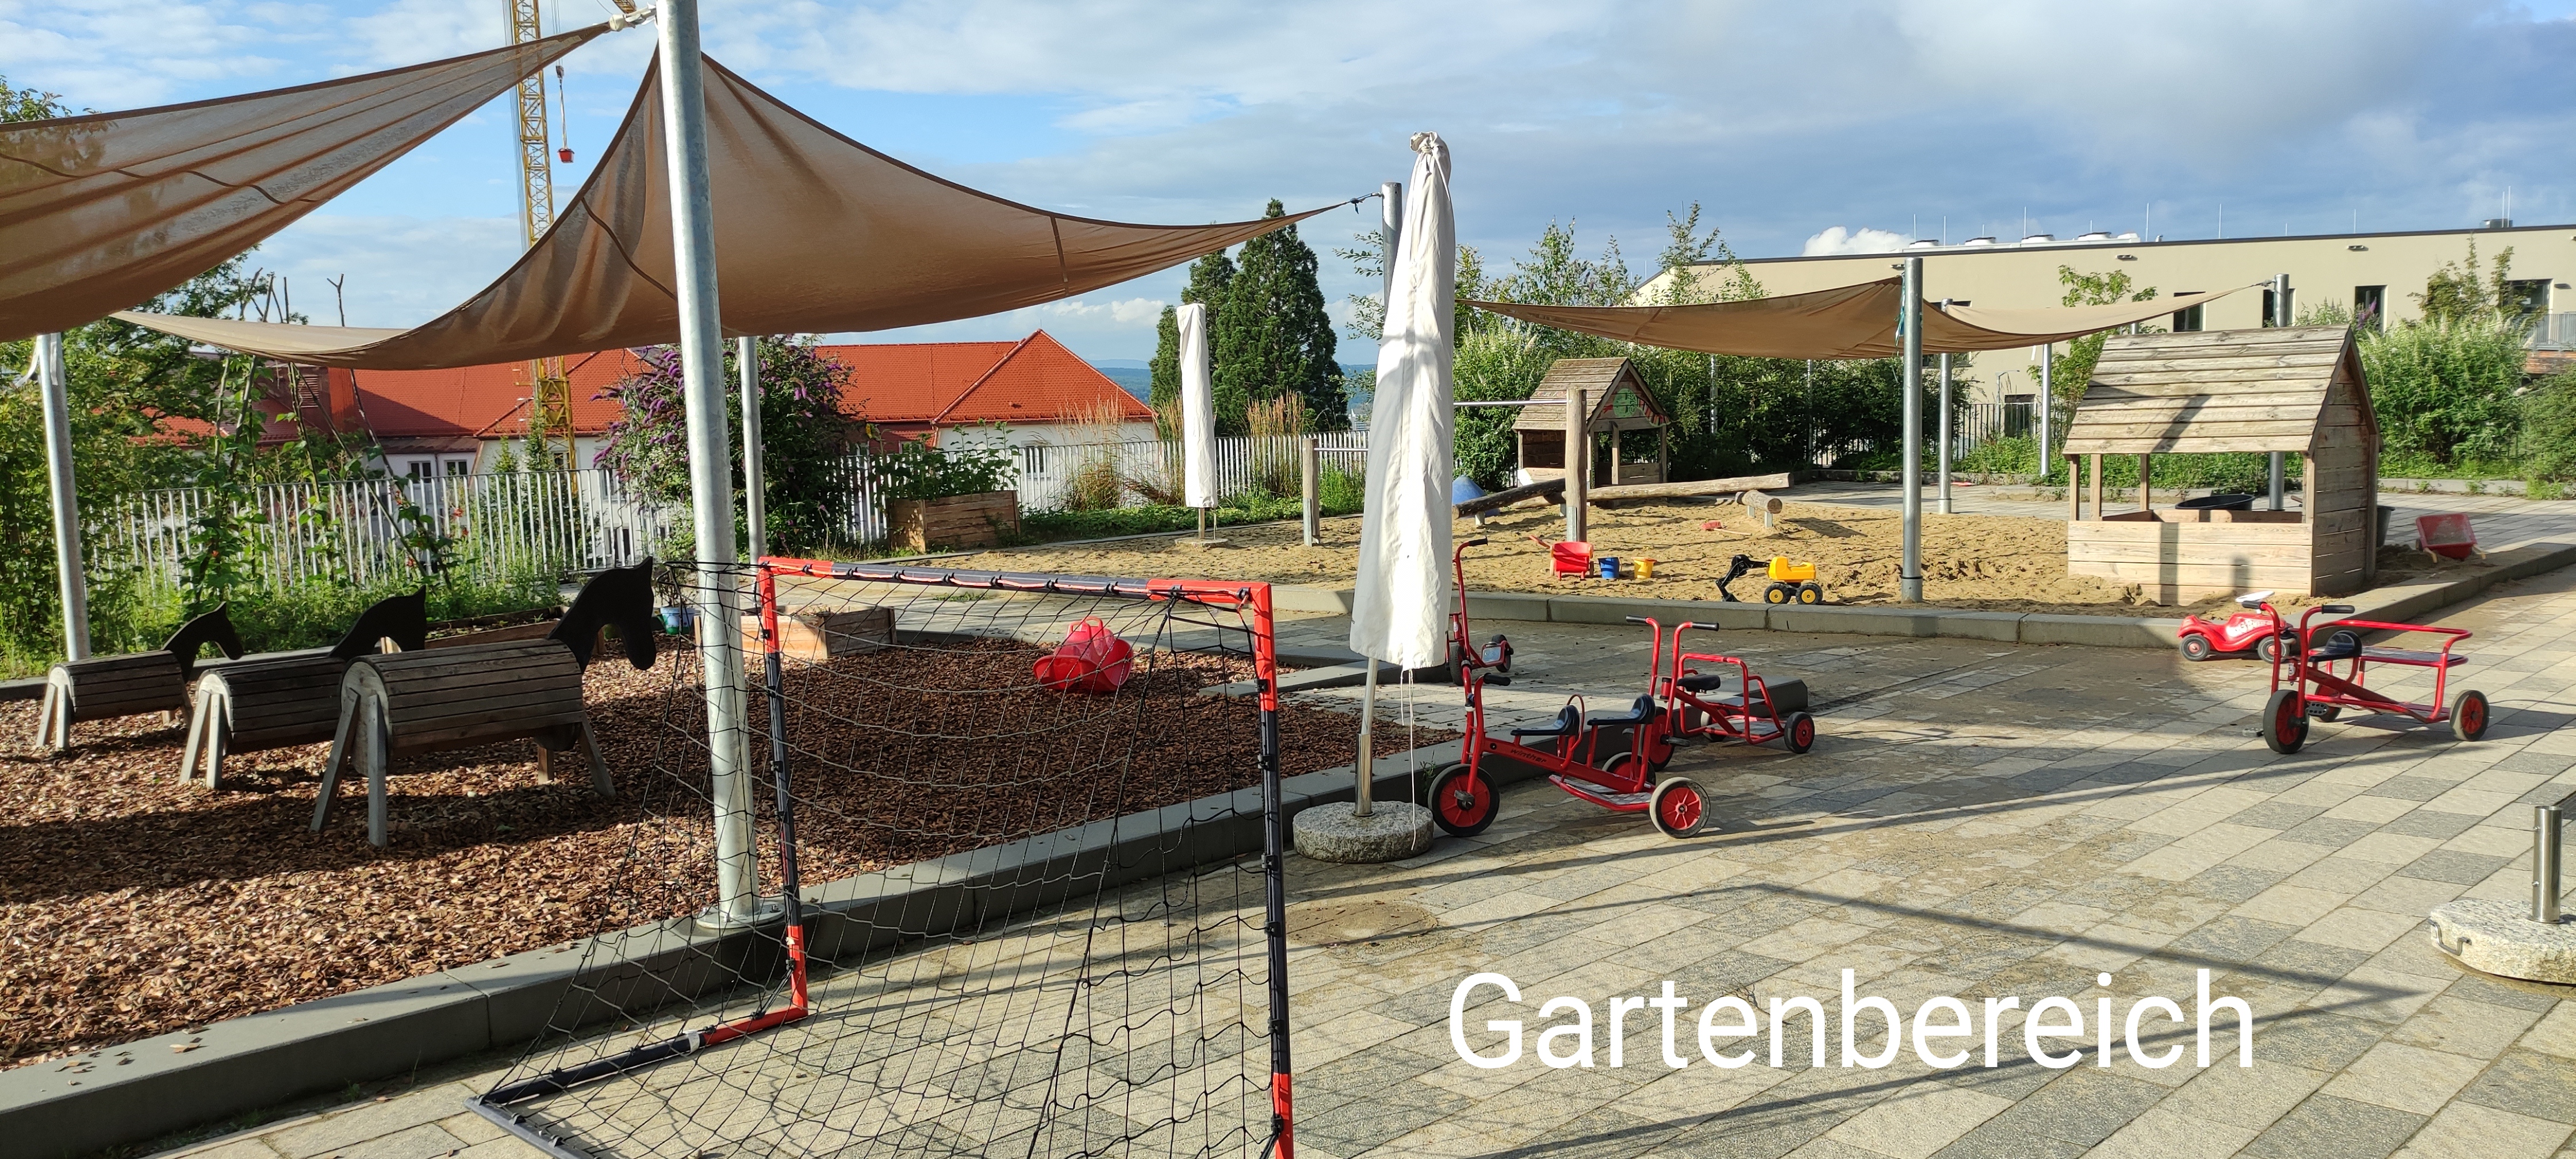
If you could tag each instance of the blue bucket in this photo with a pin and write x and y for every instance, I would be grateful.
(1609, 567)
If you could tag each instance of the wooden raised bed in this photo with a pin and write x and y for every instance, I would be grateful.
(976, 520)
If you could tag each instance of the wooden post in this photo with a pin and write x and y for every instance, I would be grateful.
(2074, 491)
(2095, 463)
(2146, 492)
(1310, 490)
(1578, 474)
(1614, 456)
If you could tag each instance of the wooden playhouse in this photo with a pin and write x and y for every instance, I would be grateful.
(1619, 405)
(2296, 390)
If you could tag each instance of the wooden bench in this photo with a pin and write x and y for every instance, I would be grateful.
(406, 703)
(290, 699)
(106, 687)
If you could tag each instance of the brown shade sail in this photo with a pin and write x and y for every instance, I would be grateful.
(103, 211)
(1845, 322)
(815, 233)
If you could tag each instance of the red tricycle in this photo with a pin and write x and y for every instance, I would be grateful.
(1588, 757)
(2315, 692)
(2206, 639)
(1690, 707)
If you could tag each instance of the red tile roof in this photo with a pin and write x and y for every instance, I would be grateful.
(907, 385)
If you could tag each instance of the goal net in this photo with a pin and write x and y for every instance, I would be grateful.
(1017, 847)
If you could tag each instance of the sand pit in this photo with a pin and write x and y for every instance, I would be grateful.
(2006, 563)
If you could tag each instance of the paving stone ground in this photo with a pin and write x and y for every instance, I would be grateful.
(1978, 821)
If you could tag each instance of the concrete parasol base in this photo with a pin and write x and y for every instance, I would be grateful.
(1194, 543)
(1393, 831)
(2499, 937)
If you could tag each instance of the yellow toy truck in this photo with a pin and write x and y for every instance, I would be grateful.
(1790, 582)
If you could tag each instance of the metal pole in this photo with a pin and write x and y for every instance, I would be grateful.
(2047, 403)
(1578, 450)
(1391, 229)
(1944, 474)
(1909, 320)
(2544, 862)
(1310, 486)
(54, 384)
(755, 489)
(2277, 477)
(693, 243)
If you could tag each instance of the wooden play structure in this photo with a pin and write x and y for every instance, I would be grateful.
(273, 702)
(405, 703)
(106, 687)
(2296, 390)
(1620, 405)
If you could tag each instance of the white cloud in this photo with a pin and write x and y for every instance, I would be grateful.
(1123, 312)
(1837, 240)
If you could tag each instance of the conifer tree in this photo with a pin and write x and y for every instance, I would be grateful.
(1209, 277)
(1272, 337)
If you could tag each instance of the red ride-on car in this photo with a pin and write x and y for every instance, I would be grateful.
(2249, 630)
(2315, 691)
(1589, 757)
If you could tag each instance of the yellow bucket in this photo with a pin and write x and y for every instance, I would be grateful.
(1645, 568)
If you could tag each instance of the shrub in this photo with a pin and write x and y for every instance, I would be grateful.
(2549, 430)
(2445, 389)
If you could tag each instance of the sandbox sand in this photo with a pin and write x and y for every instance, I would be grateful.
(2011, 563)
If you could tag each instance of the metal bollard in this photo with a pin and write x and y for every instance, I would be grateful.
(2544, 862)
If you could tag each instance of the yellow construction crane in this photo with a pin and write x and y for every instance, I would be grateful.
(550, 394)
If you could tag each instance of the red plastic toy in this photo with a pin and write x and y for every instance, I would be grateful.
(1092, 659)
(2446, 536)
(2314, 691)
(1757, 714)
(1588, 757)
(2205, 639)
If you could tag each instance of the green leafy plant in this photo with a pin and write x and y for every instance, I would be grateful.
(805, 438)
(917, 470)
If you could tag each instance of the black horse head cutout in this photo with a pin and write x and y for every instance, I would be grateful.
(403, 619)
(622, 596)
(214, 628)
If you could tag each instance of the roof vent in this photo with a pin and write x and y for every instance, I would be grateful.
(2499, 223)
(2040, 239)
(2096, 235)
(1926, 243)
(1978, 241)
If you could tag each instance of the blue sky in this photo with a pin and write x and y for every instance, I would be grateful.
(1784, 121)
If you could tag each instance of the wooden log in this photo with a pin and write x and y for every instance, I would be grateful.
(818, 636)
(259, 706)
(399, 704)
(1551, 488)
(1764, 507)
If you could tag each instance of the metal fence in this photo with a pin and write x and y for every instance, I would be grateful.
(2552, 332)
(367, 531)
(502, 526)
(1978, 423)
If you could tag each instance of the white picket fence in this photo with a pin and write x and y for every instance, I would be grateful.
(367, 531)
(1053, 477)
(497, 527)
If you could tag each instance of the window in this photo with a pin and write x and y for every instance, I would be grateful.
(2272, 310)
(419, 468)
(2369, 306)
(2526, 298)
(458, 464)
(2187, 319)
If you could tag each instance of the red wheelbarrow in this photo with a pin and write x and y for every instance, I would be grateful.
(2314, 691)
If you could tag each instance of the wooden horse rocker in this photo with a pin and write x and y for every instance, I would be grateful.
(285, 699)
(405, 703)
(106, 687)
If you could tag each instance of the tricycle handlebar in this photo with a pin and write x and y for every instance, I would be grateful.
(1479, 541)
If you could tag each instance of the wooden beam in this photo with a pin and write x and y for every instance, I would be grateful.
(2096, 461)
(1553, 487)
(2146, 490)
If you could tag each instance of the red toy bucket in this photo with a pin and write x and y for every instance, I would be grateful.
(1572, 557)
(2448, 536)
(1092, 659)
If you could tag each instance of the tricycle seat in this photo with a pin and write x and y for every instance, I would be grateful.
(2415, 656)
(1566, 722)
(1703, 682)
(1639, 712)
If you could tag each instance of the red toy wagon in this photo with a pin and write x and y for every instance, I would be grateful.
(2314, 689)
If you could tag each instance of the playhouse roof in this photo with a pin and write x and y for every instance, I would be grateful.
(2216, 390)
(1619, 398)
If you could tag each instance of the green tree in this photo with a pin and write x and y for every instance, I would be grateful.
(2454, 293)
(1272, 337)
(804, 437)
(1209, 277)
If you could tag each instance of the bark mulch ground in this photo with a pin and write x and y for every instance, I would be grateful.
(132, 905)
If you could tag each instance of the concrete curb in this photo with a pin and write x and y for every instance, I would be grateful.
(146, 1089)
(2394, 603)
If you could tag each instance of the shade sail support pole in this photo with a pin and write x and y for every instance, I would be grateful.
(1364, 795)
(2277, 477)
(2047, 403)
(1943, 478)
(54, 384)
(1578, 463)
(1909, 573)
(755, 486)
(693, 239)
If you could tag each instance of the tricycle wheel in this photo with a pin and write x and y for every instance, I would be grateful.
(1811, 593)
(1778, 593)
(2324, 712)
(1799, 732)
(2285, 722)
(2195, 648)
(2469, 715)
(1678, 807)
(1462, 803)
(1659, 751)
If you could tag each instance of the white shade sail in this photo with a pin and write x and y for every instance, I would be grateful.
(1198, 410)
